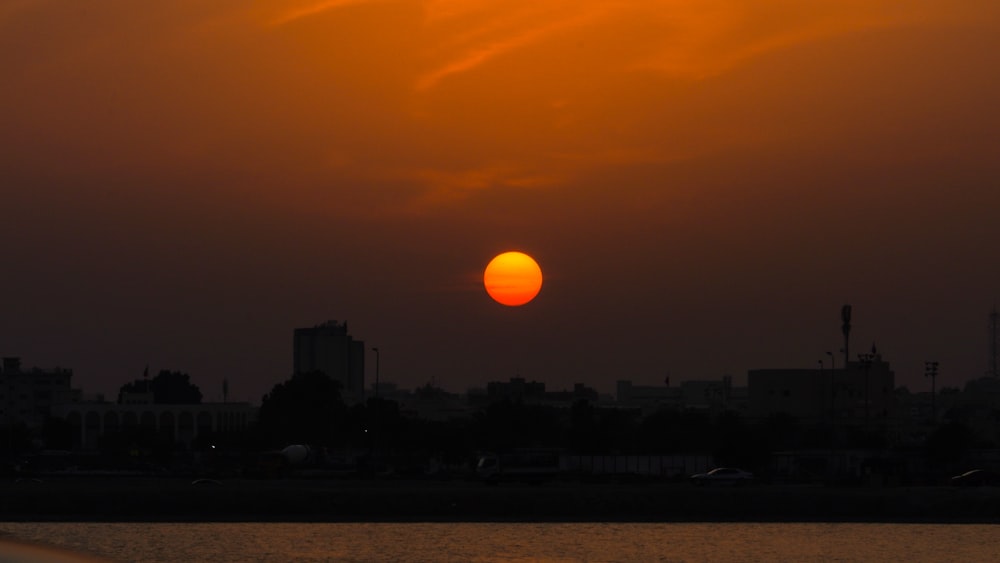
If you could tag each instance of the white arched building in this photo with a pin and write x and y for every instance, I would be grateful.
(181, 423)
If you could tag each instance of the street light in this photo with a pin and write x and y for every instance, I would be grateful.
(930, 370)
(833, 364)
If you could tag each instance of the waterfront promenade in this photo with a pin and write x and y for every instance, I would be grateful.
(354, 500)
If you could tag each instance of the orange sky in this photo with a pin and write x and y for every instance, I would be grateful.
(704, 183)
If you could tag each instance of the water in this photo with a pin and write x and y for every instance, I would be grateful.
(485, 542)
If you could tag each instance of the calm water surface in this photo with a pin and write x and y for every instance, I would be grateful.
(516, 542)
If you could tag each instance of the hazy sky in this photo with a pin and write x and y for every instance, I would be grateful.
(703, 182)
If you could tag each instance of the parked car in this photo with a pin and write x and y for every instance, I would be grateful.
(976, 478)
(723, 476)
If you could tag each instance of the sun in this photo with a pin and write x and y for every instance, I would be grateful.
(512, 278)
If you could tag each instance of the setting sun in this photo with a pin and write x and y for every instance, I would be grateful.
(512, 278)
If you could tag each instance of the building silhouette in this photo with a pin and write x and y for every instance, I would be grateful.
(180, 424)
(520, 391)
(329, 348)
(713, 396)
(862, 393)
(27, 395)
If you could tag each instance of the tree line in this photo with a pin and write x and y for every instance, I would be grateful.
(308, 408)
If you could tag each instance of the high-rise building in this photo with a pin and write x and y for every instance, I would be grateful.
(330, 349)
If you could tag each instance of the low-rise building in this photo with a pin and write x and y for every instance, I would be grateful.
(716, 395)
(518, 390)
(180, 424)
(861, 393)
(27, 395)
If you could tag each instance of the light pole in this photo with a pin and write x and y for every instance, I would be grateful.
(833, 363)
(930, 370)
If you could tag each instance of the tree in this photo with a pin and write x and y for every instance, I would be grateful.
(306, 409)
(57, 434)
(168, 388)
(583, 427)
(950, 443)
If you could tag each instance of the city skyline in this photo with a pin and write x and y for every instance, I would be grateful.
(704, 184)
(339, 331)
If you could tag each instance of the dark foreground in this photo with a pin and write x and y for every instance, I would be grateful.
(163, 499)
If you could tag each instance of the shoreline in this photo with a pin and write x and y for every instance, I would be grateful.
(177, 500)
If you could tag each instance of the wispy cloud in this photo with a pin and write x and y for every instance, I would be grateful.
(312, 10)
(482, 54)
(441, 187)
(440, 10)
(710, 39)
(705, 63)
(622, 156)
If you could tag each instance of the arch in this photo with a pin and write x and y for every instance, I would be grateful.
(75, 419)
(167, 425)
(111, 422)
(91, 430)
(92, 420)
(130, 420)
(204, 422)
(185, 427)
(147, 420)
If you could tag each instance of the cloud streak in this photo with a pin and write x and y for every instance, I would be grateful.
(313, 10)
(709, 43)
(481, 55)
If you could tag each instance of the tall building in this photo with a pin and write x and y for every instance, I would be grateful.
(330, 349)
